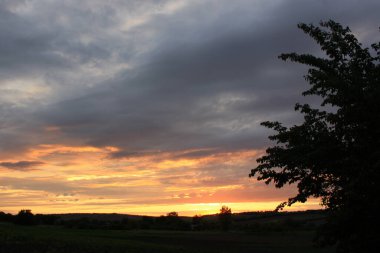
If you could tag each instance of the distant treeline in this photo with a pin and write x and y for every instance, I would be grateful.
(252, 221)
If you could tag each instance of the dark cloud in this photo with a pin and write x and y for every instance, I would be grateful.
(129, 154)
(194, 154)
(21, 165)
(25, 47)
(208, 82)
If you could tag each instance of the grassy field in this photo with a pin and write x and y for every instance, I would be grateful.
(49, 239)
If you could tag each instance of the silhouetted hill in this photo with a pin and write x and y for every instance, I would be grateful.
(98, 216)
(248, 221)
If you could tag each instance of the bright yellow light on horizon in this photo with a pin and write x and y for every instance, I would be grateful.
(190, 209)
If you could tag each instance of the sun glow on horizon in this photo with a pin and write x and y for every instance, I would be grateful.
(158, 210)
(67, 179)
(58, 178)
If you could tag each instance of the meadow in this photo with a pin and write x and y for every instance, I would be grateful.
(58, 239)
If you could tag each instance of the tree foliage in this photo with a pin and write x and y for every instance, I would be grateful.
(25, 217)
(225, 217)
(335, 153)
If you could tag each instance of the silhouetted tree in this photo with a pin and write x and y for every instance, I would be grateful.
(171, 222)
(172, 214)
(25, 217)
(6, 217)
(335, 153)
(225, 217)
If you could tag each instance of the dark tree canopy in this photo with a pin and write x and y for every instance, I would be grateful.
(225, 217)
(25, 217)
(335, 153)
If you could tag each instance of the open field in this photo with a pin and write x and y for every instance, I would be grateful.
(49, 239)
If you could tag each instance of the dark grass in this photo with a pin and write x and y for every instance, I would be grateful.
(49, 239)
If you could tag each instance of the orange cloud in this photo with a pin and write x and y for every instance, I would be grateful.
(87, 178)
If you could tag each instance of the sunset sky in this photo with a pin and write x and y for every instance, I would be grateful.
(147, 107)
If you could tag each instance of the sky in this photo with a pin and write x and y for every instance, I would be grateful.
(148, 107)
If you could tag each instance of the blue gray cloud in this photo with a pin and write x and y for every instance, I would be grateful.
(157, 76)
(21, 165)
